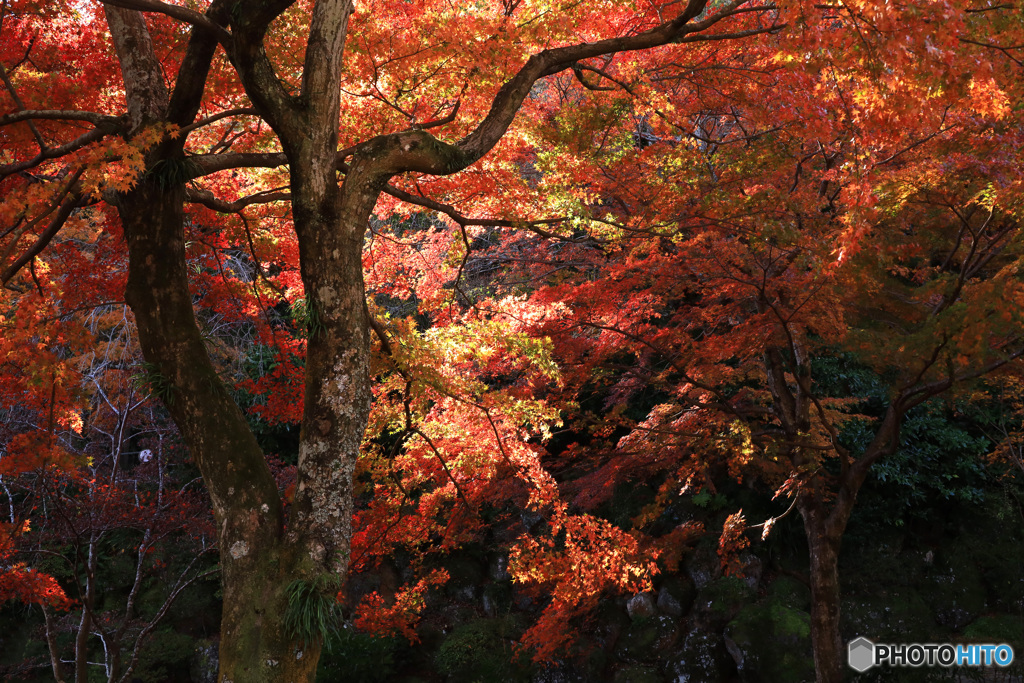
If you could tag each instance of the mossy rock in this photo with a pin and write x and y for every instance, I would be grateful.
(557, 672)
(482, 650)
(771, 642)
(791, 592)
(897, 613)
(165, 656)
(637, 674)
(702, 659)
(956, 591)
(721, 600)
(497, 598)
(702, 565)
(648, 640)
(610, 622)
(594, 664)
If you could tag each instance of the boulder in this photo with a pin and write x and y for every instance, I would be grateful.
(641, 606)
(791, 592)
(667, 604)
(637, 674)
(678, 589)
(899, 613)
(205, 662)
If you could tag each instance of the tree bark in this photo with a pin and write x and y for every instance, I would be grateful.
(256, 565)
(823, 545)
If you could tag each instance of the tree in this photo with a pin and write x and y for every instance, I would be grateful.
(136, 158)
(842, 217)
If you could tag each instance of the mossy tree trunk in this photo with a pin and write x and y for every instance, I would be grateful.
(257, 563)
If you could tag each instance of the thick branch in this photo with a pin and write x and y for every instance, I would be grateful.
(174, 11)
(247, 54)
(514, 92)
(60, 115)
(141, 71)
(418, 151)
(195, 67)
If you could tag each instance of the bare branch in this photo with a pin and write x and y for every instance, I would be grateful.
(94, 135)
(21, 105)
(207, 199)
(244, 111)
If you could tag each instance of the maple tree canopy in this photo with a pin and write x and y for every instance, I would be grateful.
(461, 244)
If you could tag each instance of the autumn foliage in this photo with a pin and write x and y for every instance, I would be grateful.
(634, 284)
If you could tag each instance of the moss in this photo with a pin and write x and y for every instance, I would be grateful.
(791, 593)
(702, 658)
(349, 655)
(637, 674)
(771, 642)
(895, 613)
(165, 656)
(482, 650)
(204, 663)
(720, 600)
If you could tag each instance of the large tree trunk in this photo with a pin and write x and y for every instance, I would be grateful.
(337, 386)
(256, 563)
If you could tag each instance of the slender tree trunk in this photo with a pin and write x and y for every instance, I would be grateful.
(823, 544)
(85, 623)
(51, 645)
